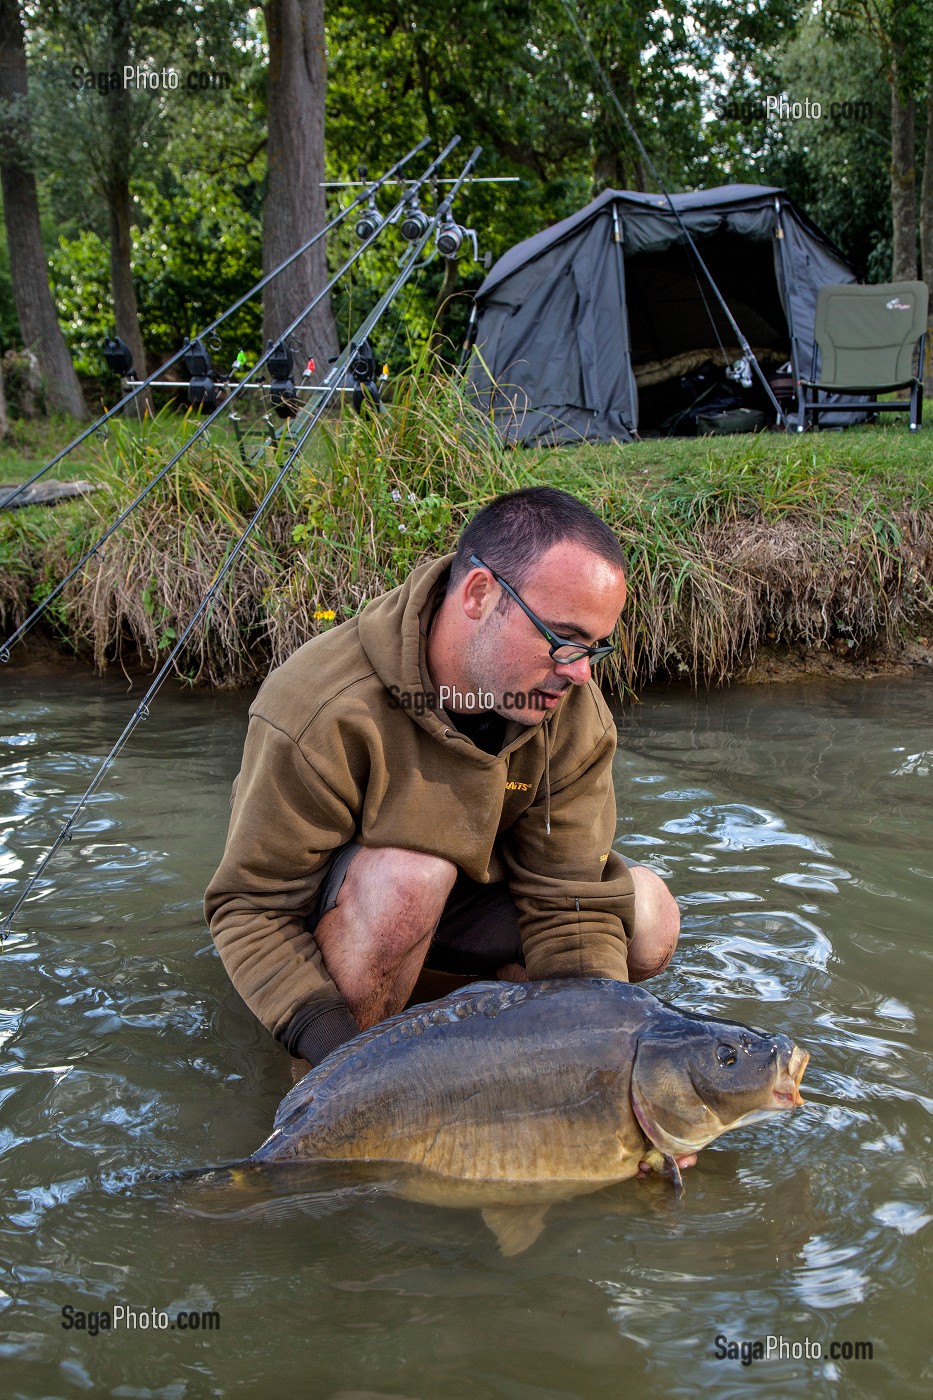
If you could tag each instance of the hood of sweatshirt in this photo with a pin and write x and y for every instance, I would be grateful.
(402, 666)
(393, 632)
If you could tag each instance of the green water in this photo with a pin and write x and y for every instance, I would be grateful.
(795, 826)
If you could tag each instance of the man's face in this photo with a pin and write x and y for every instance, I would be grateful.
(575, 593)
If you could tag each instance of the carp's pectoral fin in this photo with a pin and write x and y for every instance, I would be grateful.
(675, 1175)
(515, 1227)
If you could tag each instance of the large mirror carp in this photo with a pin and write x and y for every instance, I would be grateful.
(509, 1096)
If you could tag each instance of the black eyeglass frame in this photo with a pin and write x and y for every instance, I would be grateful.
(592, 654)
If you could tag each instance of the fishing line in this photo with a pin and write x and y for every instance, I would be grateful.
(224, 407)
(368, 193)
(746, 348)
(399, 322)
(335, 377)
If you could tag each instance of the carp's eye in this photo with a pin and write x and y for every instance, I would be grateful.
(726, 1055)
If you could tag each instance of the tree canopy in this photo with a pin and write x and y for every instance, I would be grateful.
(712, 88)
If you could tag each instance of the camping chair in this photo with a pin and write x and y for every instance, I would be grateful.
(867, 337)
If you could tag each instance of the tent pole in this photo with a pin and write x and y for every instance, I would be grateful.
(745, 347)
(782, 259)
(620, 269)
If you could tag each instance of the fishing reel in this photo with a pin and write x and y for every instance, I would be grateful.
(415, 222)
(202, 391)
(119, 357)
(450, 238)
(365, 390)
(282, 395)
(369, 222)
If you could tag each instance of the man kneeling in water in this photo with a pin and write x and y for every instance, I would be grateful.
(429, 787)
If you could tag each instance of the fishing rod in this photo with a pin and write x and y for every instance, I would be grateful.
(486, 180)
(746, 348)
(448, 238)
(138, 388)
(142, 709)
(236, 391)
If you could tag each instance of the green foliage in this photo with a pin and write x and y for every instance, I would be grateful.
(80, 280)
(511, 76)
(193, 157)
(514, 78)
(900, 31)
(195, 257)
(191, 260)
(838, 169)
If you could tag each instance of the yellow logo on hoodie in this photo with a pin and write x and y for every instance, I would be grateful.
(518, 787)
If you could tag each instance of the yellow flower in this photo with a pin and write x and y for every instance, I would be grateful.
(323, 614)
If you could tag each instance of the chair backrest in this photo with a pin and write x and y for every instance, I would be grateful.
(867, 334)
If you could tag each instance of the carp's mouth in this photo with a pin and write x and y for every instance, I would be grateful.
(787, 1089)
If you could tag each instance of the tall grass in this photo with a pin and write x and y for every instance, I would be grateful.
(375, 495)
(390, 490)
(765, 540)
(730, 544)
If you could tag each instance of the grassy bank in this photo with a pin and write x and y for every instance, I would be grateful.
(733, 544)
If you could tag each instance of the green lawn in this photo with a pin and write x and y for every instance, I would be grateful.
(30, 445)
(889, 451)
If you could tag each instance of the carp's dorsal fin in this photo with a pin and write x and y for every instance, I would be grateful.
(515, 1227)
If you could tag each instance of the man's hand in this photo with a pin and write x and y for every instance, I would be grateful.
(646, 1169)
(512, 972)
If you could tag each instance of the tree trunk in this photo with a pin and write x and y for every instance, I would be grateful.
(35, 310)
(125, 310)
(608, 170)
(120, 207)
(294, 207)
(926, 235)
(4, 420)
(903, 185)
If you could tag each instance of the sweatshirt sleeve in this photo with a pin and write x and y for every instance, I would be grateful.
(285, 824)
(574, 894)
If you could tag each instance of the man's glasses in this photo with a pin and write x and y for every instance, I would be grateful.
(561, 651)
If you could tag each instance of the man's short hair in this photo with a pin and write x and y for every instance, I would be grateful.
(514, 531)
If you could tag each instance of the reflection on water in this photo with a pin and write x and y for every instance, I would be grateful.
(795, 826)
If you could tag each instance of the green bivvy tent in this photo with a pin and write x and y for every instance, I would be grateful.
(586, 329)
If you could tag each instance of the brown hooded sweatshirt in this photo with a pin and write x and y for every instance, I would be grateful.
(337, 751)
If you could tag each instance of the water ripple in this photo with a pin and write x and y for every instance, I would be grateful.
(801, 863)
